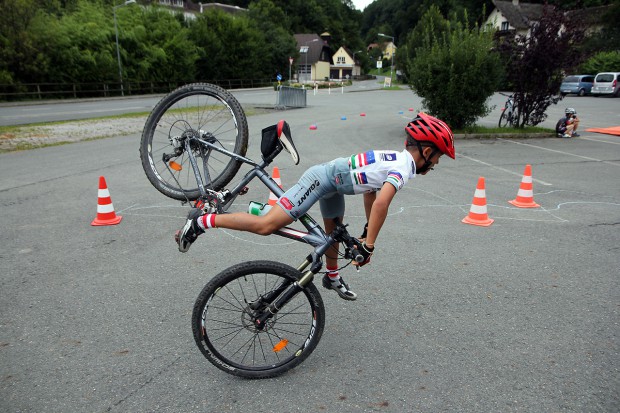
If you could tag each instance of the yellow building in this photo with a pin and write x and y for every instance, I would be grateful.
(344, 67)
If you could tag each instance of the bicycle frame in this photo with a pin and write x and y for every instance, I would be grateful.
(315, 236)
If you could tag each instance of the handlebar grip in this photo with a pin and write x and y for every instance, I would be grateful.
(357, 256)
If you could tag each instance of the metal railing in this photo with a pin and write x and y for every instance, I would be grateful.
(291, 97)
(44, 91)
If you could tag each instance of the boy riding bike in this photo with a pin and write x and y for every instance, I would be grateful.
(378, 174)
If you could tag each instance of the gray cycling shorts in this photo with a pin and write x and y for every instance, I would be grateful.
(318, 183)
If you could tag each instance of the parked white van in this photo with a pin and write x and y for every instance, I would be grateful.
(607, 83)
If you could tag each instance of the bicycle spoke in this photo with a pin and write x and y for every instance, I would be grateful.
(230, 327)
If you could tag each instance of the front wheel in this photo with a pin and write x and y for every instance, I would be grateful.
(199, 109)
(223, 320)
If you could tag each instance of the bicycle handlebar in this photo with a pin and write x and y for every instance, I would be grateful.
(341, 234)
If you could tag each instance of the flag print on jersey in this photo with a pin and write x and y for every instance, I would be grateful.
(362, 159)
(360, 178)
(396, 179)
(369, 171)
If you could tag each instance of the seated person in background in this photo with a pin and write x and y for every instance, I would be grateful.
(567, 126)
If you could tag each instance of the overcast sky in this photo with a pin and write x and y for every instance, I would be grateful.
(361, 4)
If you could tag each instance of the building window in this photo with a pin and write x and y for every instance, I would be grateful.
(341, 60)
(504, 26)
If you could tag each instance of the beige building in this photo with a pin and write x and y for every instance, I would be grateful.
(344, 67)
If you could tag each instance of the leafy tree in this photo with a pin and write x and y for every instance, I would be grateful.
(20, 59)
(156, 46)
(535, 63)
(280, 44)
(608, 38)
(602, 62)
(455, 73)
(433, 23)
(228, 47)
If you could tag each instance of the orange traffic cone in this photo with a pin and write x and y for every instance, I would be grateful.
(525, 196)
(105, 209)
(478, 211)
(276, 177)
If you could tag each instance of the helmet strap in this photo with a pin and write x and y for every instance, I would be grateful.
(427, 162)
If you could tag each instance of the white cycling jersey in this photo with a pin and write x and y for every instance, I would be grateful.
(370, 170)
(329, 182)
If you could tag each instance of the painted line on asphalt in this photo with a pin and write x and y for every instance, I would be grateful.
(502, 169)
(560, 152)
(599, 140)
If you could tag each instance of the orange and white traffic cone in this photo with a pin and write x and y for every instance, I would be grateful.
(478, 211)
(525, 196)
(105, 209)
(276, 177)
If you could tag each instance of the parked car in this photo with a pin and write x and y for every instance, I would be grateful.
(577, 84)
(607, 83)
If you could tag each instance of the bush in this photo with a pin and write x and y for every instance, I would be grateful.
(455, 74)
(602, 62)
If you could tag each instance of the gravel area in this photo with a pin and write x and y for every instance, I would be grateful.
(29, 137)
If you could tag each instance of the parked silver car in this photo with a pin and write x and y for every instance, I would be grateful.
(606, 83)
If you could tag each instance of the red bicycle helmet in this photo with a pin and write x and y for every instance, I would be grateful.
(425, 128)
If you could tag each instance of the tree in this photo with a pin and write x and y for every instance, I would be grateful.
(536, 63)
(432, 22)
(455, 73)
(228, 47)
(272, 23)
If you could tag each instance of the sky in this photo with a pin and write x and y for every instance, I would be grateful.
(361, 4)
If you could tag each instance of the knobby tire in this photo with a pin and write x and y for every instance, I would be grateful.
(196, 109)
(223, 327)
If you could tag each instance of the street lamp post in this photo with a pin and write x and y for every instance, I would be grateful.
(305, 50)
(391, 52)
(118, 53)
(354, 53)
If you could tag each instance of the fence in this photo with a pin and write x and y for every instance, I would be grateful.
(291, 97)
(41, 91)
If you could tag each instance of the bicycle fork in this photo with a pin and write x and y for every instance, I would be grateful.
(285, 293)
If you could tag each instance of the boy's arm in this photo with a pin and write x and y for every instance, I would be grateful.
(378, 212)
(369, 199)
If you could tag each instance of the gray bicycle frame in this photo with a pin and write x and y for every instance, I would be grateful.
(315, 236)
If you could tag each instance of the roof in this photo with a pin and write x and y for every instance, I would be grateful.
(519, 15)
(315, 46)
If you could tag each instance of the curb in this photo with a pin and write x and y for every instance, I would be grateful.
(504, 135)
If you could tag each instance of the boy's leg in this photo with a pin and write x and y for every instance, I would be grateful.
(333, 280)
(196, 224)
(575, 126)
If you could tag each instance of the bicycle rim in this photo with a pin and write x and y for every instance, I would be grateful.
(223, 322)
(503, 119)
(199, 109)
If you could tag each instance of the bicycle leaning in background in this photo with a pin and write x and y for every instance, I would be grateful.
(509, 113)
(256, 319)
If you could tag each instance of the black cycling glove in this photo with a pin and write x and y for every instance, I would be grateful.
(366, 252)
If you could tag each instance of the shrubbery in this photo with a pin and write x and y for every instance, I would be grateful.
(455, 71)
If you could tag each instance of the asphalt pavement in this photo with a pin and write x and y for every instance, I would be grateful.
(520, 316)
